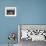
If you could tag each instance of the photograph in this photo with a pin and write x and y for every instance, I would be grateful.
(10, 11)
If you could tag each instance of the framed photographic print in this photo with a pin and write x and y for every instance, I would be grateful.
(10, 11)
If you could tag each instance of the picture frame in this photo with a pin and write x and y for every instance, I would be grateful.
(10, 11)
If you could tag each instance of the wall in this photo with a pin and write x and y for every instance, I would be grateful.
(28, 12)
